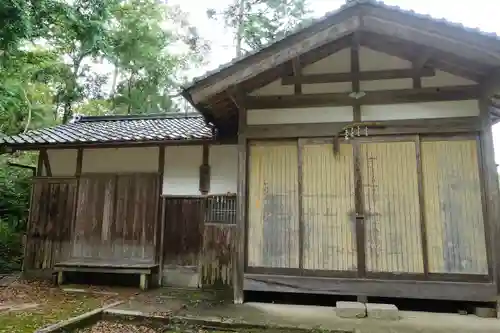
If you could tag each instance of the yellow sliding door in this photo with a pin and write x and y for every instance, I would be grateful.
(453, 209)
(328, 207)
(273, 213)
(391, 203)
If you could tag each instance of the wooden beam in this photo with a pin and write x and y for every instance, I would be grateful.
(387, 74)
(286, 70)
(274, 59)
(39, 167)
(490, 86)
(421, 202)
(46, 163)
(418, 66)
(429, 38)
(452, 93)
(491, 189)
(355, 75)
(422, 59)
(300, 188)
(160, 213)
(79, 162)
(297, 71)
(436, 32)
(451, 63)
(464, 291)
(205, 170)
(417, 79)
(239, 247)
(391, 127)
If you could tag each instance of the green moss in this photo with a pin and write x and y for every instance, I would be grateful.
(51, 311)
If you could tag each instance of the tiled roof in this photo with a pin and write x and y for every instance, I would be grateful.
(348, 4)
(114, 129)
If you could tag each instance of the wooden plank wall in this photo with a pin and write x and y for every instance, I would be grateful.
(183, 218)
(216, 264)
(189, 241)
(116, 218)
(49, 226)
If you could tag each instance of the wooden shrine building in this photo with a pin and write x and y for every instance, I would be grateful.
(353, 157)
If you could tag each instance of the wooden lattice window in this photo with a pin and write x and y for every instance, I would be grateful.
(221, 209)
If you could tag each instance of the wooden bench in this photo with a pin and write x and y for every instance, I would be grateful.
(145, 270)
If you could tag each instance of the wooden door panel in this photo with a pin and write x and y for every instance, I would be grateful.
(273, 225)
(453, 207)
(328, 207)
(391, 202)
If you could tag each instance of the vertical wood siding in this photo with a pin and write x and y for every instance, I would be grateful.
(273, 205)
(116, 218)
(216, 263)
(454, 216)
(51, 216)
(328, 207)
(183, 230)
(392, 213)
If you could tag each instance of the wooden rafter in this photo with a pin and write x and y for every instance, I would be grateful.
(286, 69)
(453, 93)
(386, 74)
(390, 27)
(270, 60)
(409, 51)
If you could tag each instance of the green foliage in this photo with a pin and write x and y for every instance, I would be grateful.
(15, 184)
(49, 54)
(141, 49)
(27, 81)
(259, 22)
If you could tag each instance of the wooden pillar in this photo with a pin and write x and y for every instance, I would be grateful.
(39, 168)
(492, 195)
(241, 211)
(160, 211)
(79, 162)
(205, 170)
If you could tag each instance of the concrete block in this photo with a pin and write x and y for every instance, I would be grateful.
(485, 312)
(382, 311)
(180, 277)
(350, 310)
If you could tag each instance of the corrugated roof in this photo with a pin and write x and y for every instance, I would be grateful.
(111, 129)
(348, 4)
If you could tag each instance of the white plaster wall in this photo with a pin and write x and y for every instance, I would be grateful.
(443, 79)
(370, 60)
(339, 62)
(182, 170)
(420, 110)
(299, 115)
(386, 84)
(325, 88)
(120, 160)
(274, 88)
(223, 160)
(62, 162)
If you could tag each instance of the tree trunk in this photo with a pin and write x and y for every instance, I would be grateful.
(239, 29)
(129, 109)
(30, 108)
(116, 72)
(70, 90)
